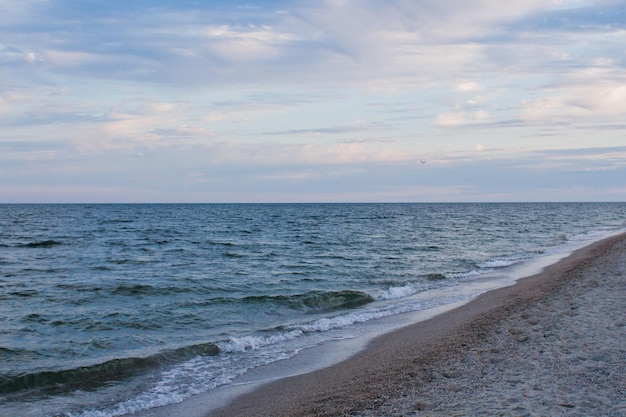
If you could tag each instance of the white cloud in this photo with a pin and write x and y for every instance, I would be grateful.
(70, 58)
(148, 128)
(591, 95)
(214, 117)
(601, 99)
(305, 154)
(248, 43)
(7, 101)
(411, 43)
(550, 110)
(461, 118)
(467, 86)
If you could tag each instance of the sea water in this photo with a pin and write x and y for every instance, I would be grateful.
(107, 310)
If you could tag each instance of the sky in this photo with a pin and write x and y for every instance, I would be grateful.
(312, 101)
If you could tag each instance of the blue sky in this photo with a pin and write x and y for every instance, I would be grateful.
(299, 101)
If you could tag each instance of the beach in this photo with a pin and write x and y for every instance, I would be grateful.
(553, 344)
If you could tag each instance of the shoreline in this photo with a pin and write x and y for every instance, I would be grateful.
(398, 372)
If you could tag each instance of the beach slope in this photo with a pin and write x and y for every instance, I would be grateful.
(553, 344)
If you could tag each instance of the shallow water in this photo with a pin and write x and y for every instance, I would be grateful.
(110, 309)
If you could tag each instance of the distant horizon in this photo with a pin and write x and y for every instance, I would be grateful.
(310, 202)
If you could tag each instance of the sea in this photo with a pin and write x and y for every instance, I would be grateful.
(109, 310)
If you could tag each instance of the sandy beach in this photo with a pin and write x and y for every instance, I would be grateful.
(553, 344)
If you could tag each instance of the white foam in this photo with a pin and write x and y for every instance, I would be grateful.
(242, 344)
(503, 262)
(394, 293)
(468, 274)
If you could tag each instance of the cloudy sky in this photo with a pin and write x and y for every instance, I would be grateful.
(313, 100)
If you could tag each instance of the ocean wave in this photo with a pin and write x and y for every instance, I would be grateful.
(338, 322)
(336, 300)
(317, 301)
(234, 255)
(132, 290)
(422, 248)
(147, 289)
(41, 244)
(394, 293)
(7, 354)
(221, 243)
(27, 293)
(504, 261)
(93, 376)
(242, 344)
(468, 274)
(332, 299)
(435, 277)
(329, 301)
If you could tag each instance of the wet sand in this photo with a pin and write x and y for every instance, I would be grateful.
(553, 344)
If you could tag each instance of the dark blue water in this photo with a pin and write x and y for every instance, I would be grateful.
(109, 309)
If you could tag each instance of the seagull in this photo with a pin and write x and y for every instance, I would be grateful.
(422, 161)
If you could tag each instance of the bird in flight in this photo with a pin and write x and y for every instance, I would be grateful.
(422, 161)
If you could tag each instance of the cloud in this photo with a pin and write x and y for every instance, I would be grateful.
(359, 126)
(404, 44)
(149, 125)
(408, 39)
(246, 43)
(11, 55)
(70, 58)
(460, 119)
(307, 154)
(310, 91)
(342, 173)
(589, 95)
(576, 17)
(468, 86)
